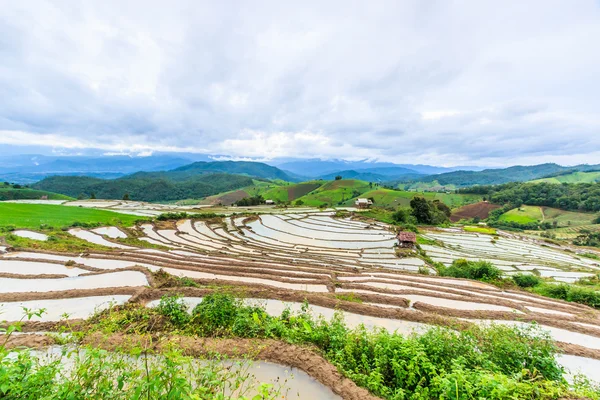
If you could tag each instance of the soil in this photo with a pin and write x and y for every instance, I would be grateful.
(481, 210)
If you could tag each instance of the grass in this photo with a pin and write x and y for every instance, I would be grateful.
(480, 229)
(535, 214)
(523, 215)
(291, 192)
(36, 216)
(336, 193)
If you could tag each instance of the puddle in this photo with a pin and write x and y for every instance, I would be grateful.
(96, 239)
(284, 285)
(116, 279)
(37, 268)
(110, 231)
(79, 307)
(580, 365)
(30, 235)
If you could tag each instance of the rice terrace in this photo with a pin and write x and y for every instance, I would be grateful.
(94, 265)
(391, 200)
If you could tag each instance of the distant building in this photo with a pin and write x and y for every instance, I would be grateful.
(363, 203)
(269, 202)
(406, 240)
(45, 197)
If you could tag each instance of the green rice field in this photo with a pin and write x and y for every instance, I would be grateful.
(19, 215)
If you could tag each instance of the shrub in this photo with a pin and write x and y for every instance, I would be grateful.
(478, 270)
(526, 280)
(174, 309)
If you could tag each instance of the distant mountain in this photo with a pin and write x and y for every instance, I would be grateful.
(256, 169)
(32, 168)
(370, 175)
(315, 167)
(502, 175)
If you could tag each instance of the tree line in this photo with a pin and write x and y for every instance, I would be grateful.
(566, 196)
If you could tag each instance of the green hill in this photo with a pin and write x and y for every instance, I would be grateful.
(16, 192)
(396, 198)
(254, 169)
(291, 192)
(229, 197)
(574, 177)
(334, 193)
(536, 214)
(145, 187)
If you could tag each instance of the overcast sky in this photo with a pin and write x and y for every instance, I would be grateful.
(436, 82)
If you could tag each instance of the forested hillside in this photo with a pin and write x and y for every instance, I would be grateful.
(499, 176)
(18, 192)
(566, 196)
(255, 169)
(144, 187)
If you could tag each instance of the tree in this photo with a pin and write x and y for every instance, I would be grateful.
(126, 196)
(93, 195)
(338, 177)
(299, 202)
(429, 212)
(421, 210)
(443, 208)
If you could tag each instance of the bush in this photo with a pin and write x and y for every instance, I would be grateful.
(478, 270)
(526, 280)
(174, 309)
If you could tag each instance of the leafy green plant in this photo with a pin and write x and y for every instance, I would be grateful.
(526, 280)
(478, 270)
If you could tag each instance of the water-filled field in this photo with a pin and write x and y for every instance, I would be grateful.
(284, 259)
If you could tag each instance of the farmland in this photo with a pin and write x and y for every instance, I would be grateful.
(257, 269)
(562, 218)
(35, 215)
(480, 210)
(575, 177)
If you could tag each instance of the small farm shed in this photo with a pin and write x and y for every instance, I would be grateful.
(44, 197)
(269, 202)
(363, 203)
(406, 240)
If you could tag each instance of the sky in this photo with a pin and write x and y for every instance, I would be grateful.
(434, 82)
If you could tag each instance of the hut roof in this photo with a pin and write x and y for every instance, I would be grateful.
(407, 237)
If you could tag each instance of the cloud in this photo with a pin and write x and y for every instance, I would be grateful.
(441, 82)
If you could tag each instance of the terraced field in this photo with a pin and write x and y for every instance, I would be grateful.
(563, 218)
(282, 260)
(509, 253)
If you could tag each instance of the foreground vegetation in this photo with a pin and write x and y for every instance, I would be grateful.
(79, 373)
(492, 362)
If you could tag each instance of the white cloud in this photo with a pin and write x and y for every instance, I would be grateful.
(443, 82)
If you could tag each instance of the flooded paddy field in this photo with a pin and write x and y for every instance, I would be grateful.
(281, 260)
